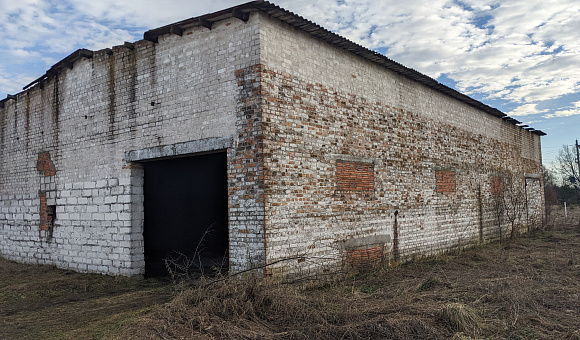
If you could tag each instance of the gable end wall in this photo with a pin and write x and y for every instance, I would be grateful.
(85, 119)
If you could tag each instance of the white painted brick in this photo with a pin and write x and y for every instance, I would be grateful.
(362, 112)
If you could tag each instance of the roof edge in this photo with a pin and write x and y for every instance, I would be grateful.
(243, 11)
(67, 62)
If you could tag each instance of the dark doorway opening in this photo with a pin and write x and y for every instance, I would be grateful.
(186, 213)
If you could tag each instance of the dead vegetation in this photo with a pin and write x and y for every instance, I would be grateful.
(43, 302)
(527, 288)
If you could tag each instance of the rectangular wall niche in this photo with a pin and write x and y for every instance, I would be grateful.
(355, 176)
(446, 181)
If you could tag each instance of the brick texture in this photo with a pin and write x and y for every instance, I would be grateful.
(45, 165)
(45, 220)
(364, 258)
(326, 149)
(496, 184)
(445, 181)
(354, 176)
(63, 144)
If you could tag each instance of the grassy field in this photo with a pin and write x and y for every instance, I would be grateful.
(527, 288)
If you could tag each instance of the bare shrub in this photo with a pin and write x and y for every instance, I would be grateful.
(514, 202)
(181, 267)
(509, 203)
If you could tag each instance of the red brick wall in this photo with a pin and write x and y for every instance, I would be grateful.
(364, 257)
(45, 165)
(246, 175)
(355, 176)
(321, 141)
(445, 181)
(45, 219)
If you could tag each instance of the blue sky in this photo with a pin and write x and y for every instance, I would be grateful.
(520, 56)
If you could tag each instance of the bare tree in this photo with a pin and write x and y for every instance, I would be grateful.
(567, 166)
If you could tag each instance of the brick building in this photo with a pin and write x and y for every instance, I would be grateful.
(282, 139)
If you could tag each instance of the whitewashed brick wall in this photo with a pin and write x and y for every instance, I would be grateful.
(290, 107)
(181, 89)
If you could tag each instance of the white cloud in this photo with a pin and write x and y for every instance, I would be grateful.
(525, 110)
(147, 13)
(532, 122)
(521, 51)
(563, 113)
(12, 83)
(571, 111)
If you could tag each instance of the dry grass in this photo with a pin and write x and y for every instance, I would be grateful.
(528, 288)
(42, 302)
(459, 317)
(256, 309)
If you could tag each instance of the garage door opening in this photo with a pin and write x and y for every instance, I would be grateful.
(186, 213)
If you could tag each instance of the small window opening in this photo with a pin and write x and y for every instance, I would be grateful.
(50, 216)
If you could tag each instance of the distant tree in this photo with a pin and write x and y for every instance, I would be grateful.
(567, 166)
(549, 177)
(566, 193)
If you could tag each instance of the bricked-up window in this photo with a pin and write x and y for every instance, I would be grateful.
(445, 181)
(45, 165)
(496, 185)
(364, 257)
(47, 214)
(355, 176)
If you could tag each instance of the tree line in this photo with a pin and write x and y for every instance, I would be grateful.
(562, 181)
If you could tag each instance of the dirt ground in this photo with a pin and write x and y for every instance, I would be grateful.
(527, 288)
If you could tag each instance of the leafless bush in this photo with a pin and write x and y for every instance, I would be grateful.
(182, 267)
(509, 202)
(514, 202)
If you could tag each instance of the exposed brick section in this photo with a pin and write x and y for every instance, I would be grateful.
(45, 220)
(310, 127)
(496, 184)
(355, 176)
(45, 165)
(446, 181)
(364, 257)
(246, 175)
